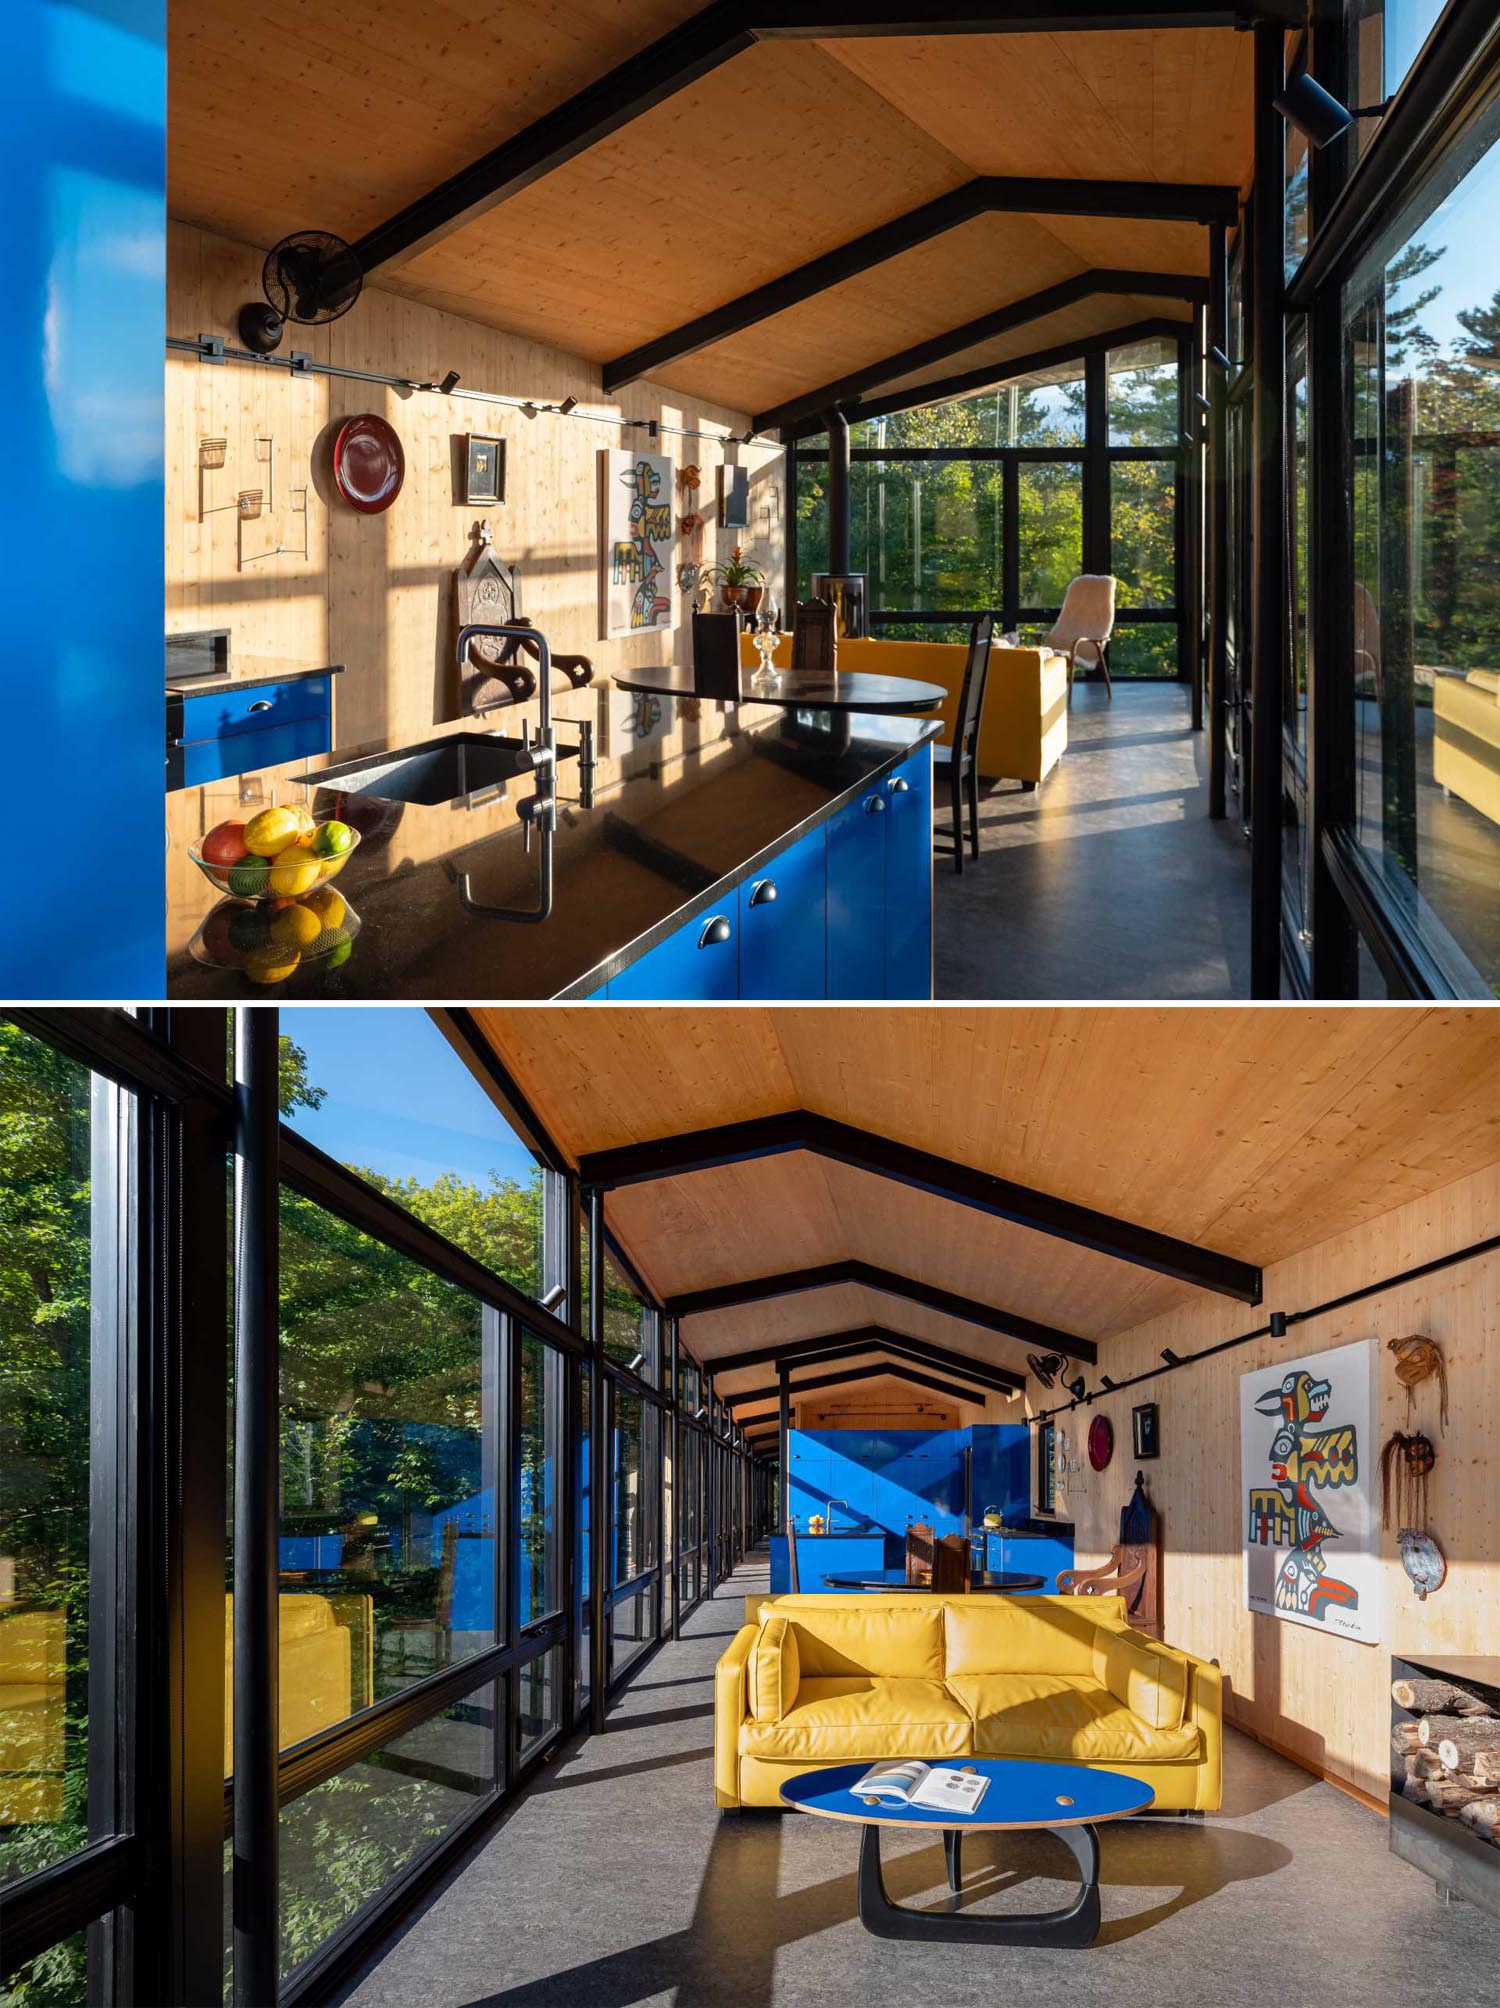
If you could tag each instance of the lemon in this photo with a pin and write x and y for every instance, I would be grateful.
(295, 927)
(272, 831)
(272, 965)
(329, 906)
(293, 871)
(304, 817)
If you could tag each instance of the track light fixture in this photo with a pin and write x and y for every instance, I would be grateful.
(1318, 114)
(1278, 1324)
(1206, 403)
(554, 1296)
(1218, 358)
(449, 383)
(568, 404)
(1078, 1388)
(636, 1364)
(1170, 1357)
(1109, 1386)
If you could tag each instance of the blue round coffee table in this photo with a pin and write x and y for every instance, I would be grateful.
(1066, 1799)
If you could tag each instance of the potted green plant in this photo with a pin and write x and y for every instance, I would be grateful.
(741, 582)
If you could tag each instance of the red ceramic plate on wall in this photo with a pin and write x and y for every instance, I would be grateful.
(1101, 1441)
(368, 464)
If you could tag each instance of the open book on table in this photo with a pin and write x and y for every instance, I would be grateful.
(909, 1782)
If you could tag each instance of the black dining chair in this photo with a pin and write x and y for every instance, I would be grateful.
(960, 760)
(814, 645)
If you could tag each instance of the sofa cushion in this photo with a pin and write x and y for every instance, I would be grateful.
(837, 1720)
(773, 1670)
(849, 1636)
(1019, 1635)
(1151, 1683)
(1064, 1718)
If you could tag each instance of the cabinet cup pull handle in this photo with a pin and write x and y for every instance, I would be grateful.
(900, 786)
(875, 806)
(261, 704)
(714, 931)
(763, 892)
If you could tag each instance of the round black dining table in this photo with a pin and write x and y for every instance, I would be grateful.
(813, 689)
(999, 1582)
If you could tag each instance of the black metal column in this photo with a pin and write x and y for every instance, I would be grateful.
(1330, 751)
(1267, 686)
(784, 1425)
(670, 1535)
(257, 1492)
(1218, 517)
(599, 1467)
(1188, 488)
(839, 538)
(1096, 501)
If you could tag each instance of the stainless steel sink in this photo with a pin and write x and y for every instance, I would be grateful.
(452, 769)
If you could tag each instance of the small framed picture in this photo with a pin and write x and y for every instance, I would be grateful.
(1145, 1430)
(485, 465)
(734, 498)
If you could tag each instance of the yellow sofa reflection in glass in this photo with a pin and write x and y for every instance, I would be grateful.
(1023, 729)
(325, 1665)
(1466, 738)
(814, 1680)
(33, 1670)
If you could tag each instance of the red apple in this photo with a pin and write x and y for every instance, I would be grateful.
(224, 844)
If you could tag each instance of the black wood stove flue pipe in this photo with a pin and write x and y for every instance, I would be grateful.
(838, 493)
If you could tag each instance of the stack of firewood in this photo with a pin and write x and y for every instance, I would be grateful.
(1448, 1757)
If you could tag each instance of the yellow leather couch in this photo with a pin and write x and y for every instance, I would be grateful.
(1023, 729)
(32, 1675)
(325, 1665)
(1466, 738)
(813, 1680)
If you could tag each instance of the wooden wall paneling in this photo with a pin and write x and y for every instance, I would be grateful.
(1129, 105)
(376, 592)
(1323, 1699)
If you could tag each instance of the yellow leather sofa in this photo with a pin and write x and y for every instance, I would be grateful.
(325, 1665)
(813, 1680)
(1023, 729)
(32, 1676)
(1466, 738)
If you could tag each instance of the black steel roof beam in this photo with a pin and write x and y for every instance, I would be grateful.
(895, 1369)
(829, 1275)
(1179, 202)
(966, 382)
(985, 328)
(924, 1171)
(874, 1339)
(722, 30)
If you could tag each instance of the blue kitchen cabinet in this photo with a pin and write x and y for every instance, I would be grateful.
(783, 923)
(908, 878)
(699, 962)
(213, 734)
(856, 896)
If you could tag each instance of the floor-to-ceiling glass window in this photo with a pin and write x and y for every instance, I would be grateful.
(1422, 355)
(635, 1525)
(1145, 430)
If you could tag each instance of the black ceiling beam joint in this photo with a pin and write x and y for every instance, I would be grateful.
(923, 1171)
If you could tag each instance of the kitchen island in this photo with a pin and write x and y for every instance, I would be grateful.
(789, 858)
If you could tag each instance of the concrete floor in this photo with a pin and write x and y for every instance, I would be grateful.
(1108, 881)
(614, 1881)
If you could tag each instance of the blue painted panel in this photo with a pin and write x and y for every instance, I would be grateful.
(686, 966)
(856, 897)
(244, 752)
(822, 1556)
(783, 939)
(908, 878)
(1001, 1471)
(83, 248)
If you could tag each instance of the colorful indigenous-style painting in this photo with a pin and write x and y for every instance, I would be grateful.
(1307, 1468)
(638, 542)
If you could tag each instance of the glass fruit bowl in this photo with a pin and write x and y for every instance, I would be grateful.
(288, 875)
(268, 940)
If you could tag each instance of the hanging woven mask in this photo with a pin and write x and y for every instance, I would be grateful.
(1417, 1360)
(1405, 1462)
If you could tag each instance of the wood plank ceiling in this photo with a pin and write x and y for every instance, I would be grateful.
(1255, 1133)
(336, 113)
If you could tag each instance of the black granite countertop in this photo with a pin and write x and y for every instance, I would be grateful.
(653, 852)
(250, 671)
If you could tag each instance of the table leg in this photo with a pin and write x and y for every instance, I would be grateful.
(953, 1848)
(1076, 1924)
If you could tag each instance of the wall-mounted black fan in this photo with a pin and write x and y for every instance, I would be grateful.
(310, 277)
(1046, 1367)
